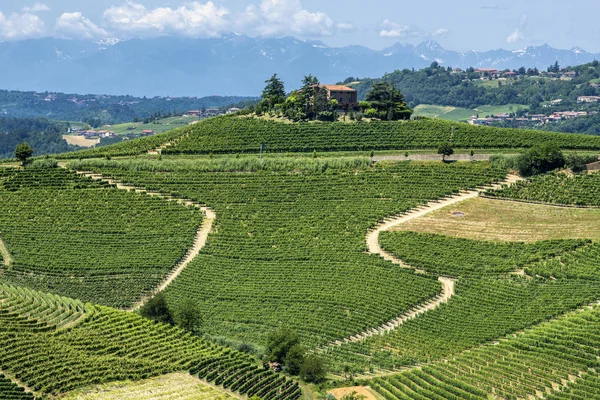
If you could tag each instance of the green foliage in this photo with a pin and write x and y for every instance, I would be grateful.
(577, 162)
(279, 343)
(354, 396)
(294, 359)
(274, 92)
(91, 240)
(388, 103)
(188, 316)
(313, 369)
(23, 152)
(43, 135)
(9, 390)
(445, 149)
(157, 309)
(540, 159)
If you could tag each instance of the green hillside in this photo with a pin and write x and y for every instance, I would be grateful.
(246, 135)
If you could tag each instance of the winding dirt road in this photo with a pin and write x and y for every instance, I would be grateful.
(447, 283)
(199, 241)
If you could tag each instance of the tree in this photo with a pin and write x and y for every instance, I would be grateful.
(279, 344)
(307, 95)
(274, 92)
(354, 396)
(189, 317)
(294, 359)
(540, 159)
(157, 309)
(23, 151)
(445, 149)
(388, 102)
(313, 369)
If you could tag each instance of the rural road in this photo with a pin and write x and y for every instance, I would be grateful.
(434, 157)
(199, 241)
(447, 292)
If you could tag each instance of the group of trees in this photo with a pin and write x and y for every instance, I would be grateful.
(441, 85)
(312, 102)
(186, 315)
(283, 346)
(44, 135)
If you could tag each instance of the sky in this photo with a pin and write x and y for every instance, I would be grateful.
(456, 25)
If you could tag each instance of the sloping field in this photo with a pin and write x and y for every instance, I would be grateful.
(289, 248)
(246, 135)
(229, 135)
(487, 219)
(80, 238)
(554, 357)
(178, 386)
(51, 358)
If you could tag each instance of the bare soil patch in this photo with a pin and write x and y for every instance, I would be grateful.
(80, 141)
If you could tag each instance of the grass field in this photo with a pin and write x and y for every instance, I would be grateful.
(463, 114)
(180, 386)
(498, 220)
(163, 125)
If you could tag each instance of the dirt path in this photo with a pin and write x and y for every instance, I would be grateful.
(199, 241)
(5, 254)
(447, 283)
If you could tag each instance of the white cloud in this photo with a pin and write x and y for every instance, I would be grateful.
(441, 32)
(286, 17)
(21, 26)
(192, 19)
(75, 26)
(37, 7)
(518, 34)
(392, 29)
(345, 27)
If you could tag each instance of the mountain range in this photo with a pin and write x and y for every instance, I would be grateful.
(231, 65)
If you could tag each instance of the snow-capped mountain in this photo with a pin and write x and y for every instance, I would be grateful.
(231, 65)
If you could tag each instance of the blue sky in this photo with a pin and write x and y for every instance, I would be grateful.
(458, 25)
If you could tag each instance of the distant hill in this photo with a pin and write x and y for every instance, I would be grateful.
(231, 65)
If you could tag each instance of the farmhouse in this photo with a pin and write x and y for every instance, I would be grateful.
(194, 113)
(148, 132)
(343, 94)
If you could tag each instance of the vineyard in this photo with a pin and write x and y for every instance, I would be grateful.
(51, 356)
(289, 247)
(80, 238)
(243, 135)
(489, 302)
(578, 190)
(554, 360)
(246, 135)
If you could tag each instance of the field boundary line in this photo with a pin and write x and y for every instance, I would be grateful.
(448, 283)
(541, 203)
(199, 241)
(8, 260)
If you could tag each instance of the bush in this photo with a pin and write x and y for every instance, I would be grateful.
(578, 163)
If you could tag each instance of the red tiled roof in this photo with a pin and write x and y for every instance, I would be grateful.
(338, 88)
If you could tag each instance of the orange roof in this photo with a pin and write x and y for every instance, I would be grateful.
(339, 88)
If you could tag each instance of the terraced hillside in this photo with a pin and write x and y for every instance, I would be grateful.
(227, 135)
(289, 249)
(554, 360)
(72, 236)
(51, 356)
(246, 135)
